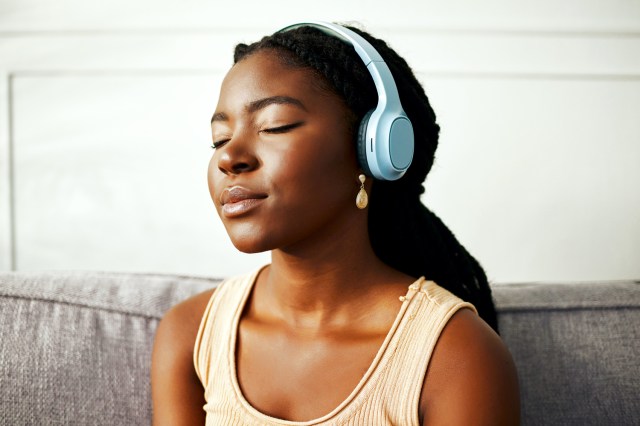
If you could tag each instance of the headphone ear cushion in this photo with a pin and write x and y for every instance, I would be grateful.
(362, 143)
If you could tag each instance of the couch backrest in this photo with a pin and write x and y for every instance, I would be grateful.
(75, 348)
(577, 350)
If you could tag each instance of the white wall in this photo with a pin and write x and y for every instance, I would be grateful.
(104, 134)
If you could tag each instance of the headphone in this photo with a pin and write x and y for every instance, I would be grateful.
(385, 136)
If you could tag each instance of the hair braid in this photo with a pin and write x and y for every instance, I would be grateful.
(404, 233)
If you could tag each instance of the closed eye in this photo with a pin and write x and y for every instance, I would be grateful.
(219, 143)
(270, 130)
(283, 129)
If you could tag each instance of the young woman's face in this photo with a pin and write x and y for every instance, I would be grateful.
(284, 171)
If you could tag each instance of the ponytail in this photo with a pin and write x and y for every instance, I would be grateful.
(409, 237)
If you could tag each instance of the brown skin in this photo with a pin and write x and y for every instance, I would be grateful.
(319, 313)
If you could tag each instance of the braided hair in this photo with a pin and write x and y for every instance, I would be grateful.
(404, 233)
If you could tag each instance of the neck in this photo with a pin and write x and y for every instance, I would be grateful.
(335, 274)
(325, 284)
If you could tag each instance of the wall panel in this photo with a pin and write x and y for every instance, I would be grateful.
(111, 173)
(538, 177)
(106, 106)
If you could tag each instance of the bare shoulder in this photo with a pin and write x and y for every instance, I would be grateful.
(471, 377)
(178, 395)
(184, 317)
(178, 329)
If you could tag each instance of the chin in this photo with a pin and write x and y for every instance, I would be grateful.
(249, 248)
(250, 242)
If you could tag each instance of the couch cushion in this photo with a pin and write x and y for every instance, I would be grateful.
(75, 348)
(577, 351)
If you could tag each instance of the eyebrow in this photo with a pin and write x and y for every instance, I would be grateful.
(262, 103)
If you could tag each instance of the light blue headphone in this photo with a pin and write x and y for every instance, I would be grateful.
(385, 137)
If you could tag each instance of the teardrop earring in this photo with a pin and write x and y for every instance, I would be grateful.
(362, 199)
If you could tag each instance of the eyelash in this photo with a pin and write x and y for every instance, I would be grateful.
(217, 144)
(283, 129)
(272, 130)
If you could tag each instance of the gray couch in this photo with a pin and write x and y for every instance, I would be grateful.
(75, 347)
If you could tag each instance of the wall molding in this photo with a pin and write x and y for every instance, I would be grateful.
(416, 30)
(445, 74)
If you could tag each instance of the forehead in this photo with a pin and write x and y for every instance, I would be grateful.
(264, 74)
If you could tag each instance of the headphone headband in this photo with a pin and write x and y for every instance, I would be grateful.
(364, 49)
(373, 61)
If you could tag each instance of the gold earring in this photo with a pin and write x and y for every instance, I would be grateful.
(362, 199)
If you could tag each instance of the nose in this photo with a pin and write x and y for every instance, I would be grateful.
(237, 157)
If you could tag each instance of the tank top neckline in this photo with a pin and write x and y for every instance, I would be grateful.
(373, 367)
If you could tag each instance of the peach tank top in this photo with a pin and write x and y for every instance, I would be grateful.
(376, 400)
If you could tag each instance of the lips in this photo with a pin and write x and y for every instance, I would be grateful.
(237, 200)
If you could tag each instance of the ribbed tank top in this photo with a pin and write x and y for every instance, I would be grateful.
(388, 393)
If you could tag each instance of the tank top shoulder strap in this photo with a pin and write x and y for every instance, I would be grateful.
(214, 327)
(429, 308)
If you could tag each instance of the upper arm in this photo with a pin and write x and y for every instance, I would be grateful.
(177, 394)
(471, 377)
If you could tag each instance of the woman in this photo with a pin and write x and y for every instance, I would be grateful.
(347, 324)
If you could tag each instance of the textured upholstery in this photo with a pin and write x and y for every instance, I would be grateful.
(577, 350)
(75, 347)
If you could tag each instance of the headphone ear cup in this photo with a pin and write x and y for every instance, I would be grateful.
(362, 143)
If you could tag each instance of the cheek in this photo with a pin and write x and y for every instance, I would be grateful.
(316, 177)
(318, 154)
(211, 181)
